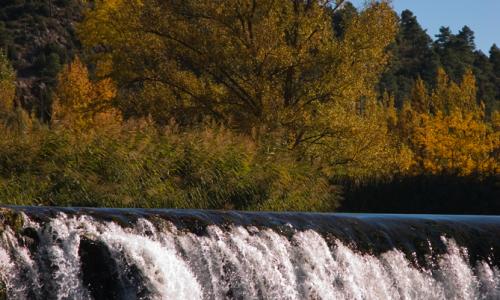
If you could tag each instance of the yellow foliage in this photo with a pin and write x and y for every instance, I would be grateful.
(390, 111)
(453, 137)
(80, 102)
(406, 123)
(419, 97)
(468, 90)
(264, 68)
(449, 96)
(457, 143)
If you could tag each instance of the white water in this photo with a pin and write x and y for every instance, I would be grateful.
(240, 263)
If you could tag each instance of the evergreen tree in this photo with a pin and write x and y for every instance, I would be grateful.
(413, 57)
(495, 62)
(495, 59)
(486, 88)
(443, 41)
(456, 52)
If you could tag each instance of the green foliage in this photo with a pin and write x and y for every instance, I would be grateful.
(52, 65)
(456, 52)
(415, 55)
(139, 166)
(412, 57)
(495, 74)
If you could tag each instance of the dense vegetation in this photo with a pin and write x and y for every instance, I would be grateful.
(39, 38)
(262, 105)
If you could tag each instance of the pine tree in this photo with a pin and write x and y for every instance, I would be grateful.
(456, 52)
(495, 62)
(486, 88)
(412, 58)
(495, 59)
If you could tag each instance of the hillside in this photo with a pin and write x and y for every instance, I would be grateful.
(39, 38)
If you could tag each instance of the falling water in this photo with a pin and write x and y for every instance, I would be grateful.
(112, 254)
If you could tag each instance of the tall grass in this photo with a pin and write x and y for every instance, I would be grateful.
(138, 165)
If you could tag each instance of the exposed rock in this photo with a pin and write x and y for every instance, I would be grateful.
(3, 291)
(39, 37)
(101, 275)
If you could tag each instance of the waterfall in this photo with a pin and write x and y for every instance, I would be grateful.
(100, 254)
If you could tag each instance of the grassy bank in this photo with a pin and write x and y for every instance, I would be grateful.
(138, 165)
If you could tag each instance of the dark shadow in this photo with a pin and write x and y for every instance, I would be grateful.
(425, 195)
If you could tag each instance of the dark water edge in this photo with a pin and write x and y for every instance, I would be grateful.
(425, 194)
(420, 237)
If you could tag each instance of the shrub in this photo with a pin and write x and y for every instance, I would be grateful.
(137, 165)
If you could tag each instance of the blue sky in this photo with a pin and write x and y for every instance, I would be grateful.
(482, 16)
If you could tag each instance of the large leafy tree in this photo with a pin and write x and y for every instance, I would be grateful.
(456, 144)
(260, 67)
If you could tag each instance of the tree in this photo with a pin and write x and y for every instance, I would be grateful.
(467, 100)
(495, 59)
(495, 62)
(406, 124)
(456, 144)
(456, 52)
(7, 84)
(413, 57)
(445, 93)
(455, 138)
(390, 110)
(12, 117)
(80, 102)
(419, 97)
(486, 88)
(263, 68)
(342, 18)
